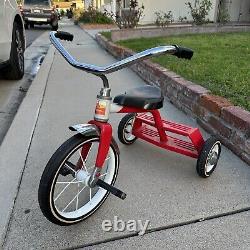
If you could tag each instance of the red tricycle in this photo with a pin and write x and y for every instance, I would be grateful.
(82, 172)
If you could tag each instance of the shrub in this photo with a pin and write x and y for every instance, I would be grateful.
(199, 11)
(62, 12)
(91, 16)
(223, 16)
(182, 19)
(164, 19)
(127, 18)
(77, 13)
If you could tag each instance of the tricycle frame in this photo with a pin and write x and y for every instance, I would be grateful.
(149, 126)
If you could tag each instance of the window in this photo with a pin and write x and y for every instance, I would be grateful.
(126, 3)
(37, 2)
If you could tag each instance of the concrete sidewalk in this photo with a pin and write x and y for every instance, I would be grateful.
(161, 186)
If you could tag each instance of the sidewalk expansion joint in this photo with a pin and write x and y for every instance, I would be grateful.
(162, 228)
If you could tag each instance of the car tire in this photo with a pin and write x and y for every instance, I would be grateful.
(26, 26)
(32, 25)
(15, 68)
(54, 27)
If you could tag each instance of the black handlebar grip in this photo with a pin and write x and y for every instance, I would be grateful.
(182, 52)
(63, 35)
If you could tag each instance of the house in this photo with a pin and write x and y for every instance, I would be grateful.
(102, 5)
(238, 10)
(76, 4)
(62, 5)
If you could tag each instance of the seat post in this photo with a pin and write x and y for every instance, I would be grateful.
(159, 125)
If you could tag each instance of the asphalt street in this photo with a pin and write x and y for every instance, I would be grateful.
(33, 34)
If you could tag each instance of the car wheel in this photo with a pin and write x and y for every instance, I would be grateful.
(32, 25)
(15, 68)
(54, 27)
(26, 26)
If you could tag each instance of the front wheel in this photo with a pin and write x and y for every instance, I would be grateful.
(64, 196)
(208, 157)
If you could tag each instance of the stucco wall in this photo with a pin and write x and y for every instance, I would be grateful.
(178, 8)
(239, 10)
(245, 11)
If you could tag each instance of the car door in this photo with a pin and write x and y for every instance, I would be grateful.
(5, 37)
(2, 31)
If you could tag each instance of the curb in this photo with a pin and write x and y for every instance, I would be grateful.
(231, 124)
(33, 55)
(18, 140)
(97, 26)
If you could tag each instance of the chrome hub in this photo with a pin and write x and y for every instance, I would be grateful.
(212, 158)
(82, 176)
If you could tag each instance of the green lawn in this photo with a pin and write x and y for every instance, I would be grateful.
(221, 62)
(107, 34)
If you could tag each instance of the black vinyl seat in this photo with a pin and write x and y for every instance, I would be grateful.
(145, 97)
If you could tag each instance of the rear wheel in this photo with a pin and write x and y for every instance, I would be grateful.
(125, 129)
(64, 197)
(208, 157)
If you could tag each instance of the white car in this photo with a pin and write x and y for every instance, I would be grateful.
(12, 40)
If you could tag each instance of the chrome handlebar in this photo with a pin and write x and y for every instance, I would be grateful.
(96, 70)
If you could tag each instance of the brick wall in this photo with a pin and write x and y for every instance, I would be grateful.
(117, 35)
(214, 113)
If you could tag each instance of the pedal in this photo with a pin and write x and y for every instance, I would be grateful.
(115, 191)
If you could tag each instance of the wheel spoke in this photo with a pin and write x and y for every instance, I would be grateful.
(88, 152)
(103, 175)
(64, 189)
(66, 182)
(67, 165)
(84, 161)
(74, 198)
(91, 167)
(94, 164)
(90, 194)
(77, 197)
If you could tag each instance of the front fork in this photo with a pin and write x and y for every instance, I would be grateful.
(103, 149)
(105, 132)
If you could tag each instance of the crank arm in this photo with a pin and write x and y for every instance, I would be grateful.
(115, 191)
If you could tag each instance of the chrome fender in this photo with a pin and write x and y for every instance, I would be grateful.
(91, 130)
(86, 129)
